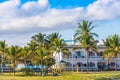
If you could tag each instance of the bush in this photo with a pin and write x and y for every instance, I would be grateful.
(26, 71)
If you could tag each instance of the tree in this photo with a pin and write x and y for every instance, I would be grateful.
(42, 49)
(52, 37)
(40, 39)
(32, 46)
(3, 49)
(58, 47)
(13, 54)
(85, 38)
(112, 48)
(24, 56)
(41, 55)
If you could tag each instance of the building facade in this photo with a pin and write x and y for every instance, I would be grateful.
(78, 60)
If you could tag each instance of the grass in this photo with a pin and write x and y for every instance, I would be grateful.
(65, 76)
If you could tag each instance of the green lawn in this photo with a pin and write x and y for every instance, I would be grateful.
(65, 76)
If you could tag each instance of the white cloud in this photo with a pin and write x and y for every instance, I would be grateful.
(103, 9)
(39, 16)
(31, 16)
(52, 18)
(34, 8)
(9, 8)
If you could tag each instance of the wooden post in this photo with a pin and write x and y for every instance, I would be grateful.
(77, 67)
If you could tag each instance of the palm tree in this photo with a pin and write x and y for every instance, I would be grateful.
(40, 39)
(85, 38)
(13, 54)
(32, 46)
(112, 48)
(24, 56)
(41, 55)
(51, 37)
(3, 49)
(43, 47)
(58, 47)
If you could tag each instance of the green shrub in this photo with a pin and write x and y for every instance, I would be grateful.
(26, 71)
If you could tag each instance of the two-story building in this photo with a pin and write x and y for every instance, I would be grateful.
(78, 59)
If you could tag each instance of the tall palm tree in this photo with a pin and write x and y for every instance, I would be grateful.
(13, 54)
(85, 38)
(41, 55)
(58, 47)
(3, 49)
(32, 46)
(43, 45)
(112, 48)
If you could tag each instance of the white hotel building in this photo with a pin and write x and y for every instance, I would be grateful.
(78, 60)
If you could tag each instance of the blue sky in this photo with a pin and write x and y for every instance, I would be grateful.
(66, 3)
(21, 19)
(69, 3)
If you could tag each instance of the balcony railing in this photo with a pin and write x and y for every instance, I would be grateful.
(80, 68)
(85, 57)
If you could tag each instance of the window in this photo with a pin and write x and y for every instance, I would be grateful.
(100, 53)
(77, 54)
(91, 64)
(79, 64)
(91, 53)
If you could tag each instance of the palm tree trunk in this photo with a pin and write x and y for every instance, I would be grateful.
(108, 64)
(1, 67)
(59, 63)
(116, 64)
(9, 68)
(33, 71)
(1, 64)
(87, 61)
(14, 66)
(42, 68)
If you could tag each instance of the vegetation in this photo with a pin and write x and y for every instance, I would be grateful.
(113, 48)
(13, 53)
(3, 48)
(110, 75)
(85, 38)
(39, 52)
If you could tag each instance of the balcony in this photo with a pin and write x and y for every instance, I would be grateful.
(79, 68)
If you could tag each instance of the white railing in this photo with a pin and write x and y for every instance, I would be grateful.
(80, 68)
(91, 57)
